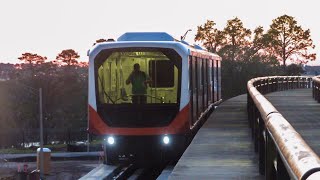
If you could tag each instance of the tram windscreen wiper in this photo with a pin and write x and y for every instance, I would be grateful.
(105, 93)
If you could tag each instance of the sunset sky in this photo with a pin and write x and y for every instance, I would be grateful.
(48, 27)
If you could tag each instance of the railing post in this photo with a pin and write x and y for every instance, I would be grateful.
(254, 117)
(269, 85)
(261, 146)
(313, 91)
(249, 109)
(270, 155)
(264, 83)
(275, 84)
(294, 82)
(280, 84)
(261, 87)
(318, 92)
(256, 130)
(309, 82)
(281, 169)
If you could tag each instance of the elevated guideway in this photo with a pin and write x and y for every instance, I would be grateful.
(270, 133)
(222, 149)
(302, 112)
(249, 137)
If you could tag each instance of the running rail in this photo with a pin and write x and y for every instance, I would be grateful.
(283, 154)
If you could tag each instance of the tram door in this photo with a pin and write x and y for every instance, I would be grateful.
(209, 81)
(200, 86)
(193, 89)
(218, 79)
(205, 84)
(215, 80)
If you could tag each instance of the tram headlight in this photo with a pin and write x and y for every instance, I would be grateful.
(166, 140)
(110, 140)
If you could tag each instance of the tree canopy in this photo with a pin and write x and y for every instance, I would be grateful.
(284, 40)
(210, 36)
(99, 41)
(68, 56)
(64, 98)
(236, 34)
(287, 40)
(247, 54)
(32, 58)
(64, 102)
(237, 40)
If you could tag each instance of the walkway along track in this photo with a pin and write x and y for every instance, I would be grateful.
(283, 154)
(129, 171)
(222, 149)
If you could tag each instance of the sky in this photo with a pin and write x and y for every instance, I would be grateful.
(48, 27)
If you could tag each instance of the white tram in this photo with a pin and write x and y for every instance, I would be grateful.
(181, 85)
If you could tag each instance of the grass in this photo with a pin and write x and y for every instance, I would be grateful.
(33, 149)
(52, 147)
(16, 151)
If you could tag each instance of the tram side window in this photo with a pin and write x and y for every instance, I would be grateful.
(194, 95)
(205, 88)
(209, 69)
(214, 79)
(200, 85)
(219, 79)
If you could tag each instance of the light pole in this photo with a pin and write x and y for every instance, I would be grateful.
(185, 34)
(41, 133)
(32, 90)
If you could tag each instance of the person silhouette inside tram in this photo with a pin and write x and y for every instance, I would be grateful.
(139, 81)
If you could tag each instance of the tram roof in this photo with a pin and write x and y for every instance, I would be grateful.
(131, 39)
(146, 36)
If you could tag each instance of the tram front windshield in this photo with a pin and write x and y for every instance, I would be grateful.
(131, 78)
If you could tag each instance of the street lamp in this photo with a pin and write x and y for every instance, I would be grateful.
(41, 123)
(185, 34)
(41, 133)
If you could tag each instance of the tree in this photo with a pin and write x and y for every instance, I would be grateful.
(210, 36)
(32, 58)
(287, 40)
(99, 41)
(236, 37)
(294, 70)
(257, 47)
(68, 56)
(243, 54)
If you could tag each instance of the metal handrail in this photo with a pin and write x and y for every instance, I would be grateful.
(283, 154)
